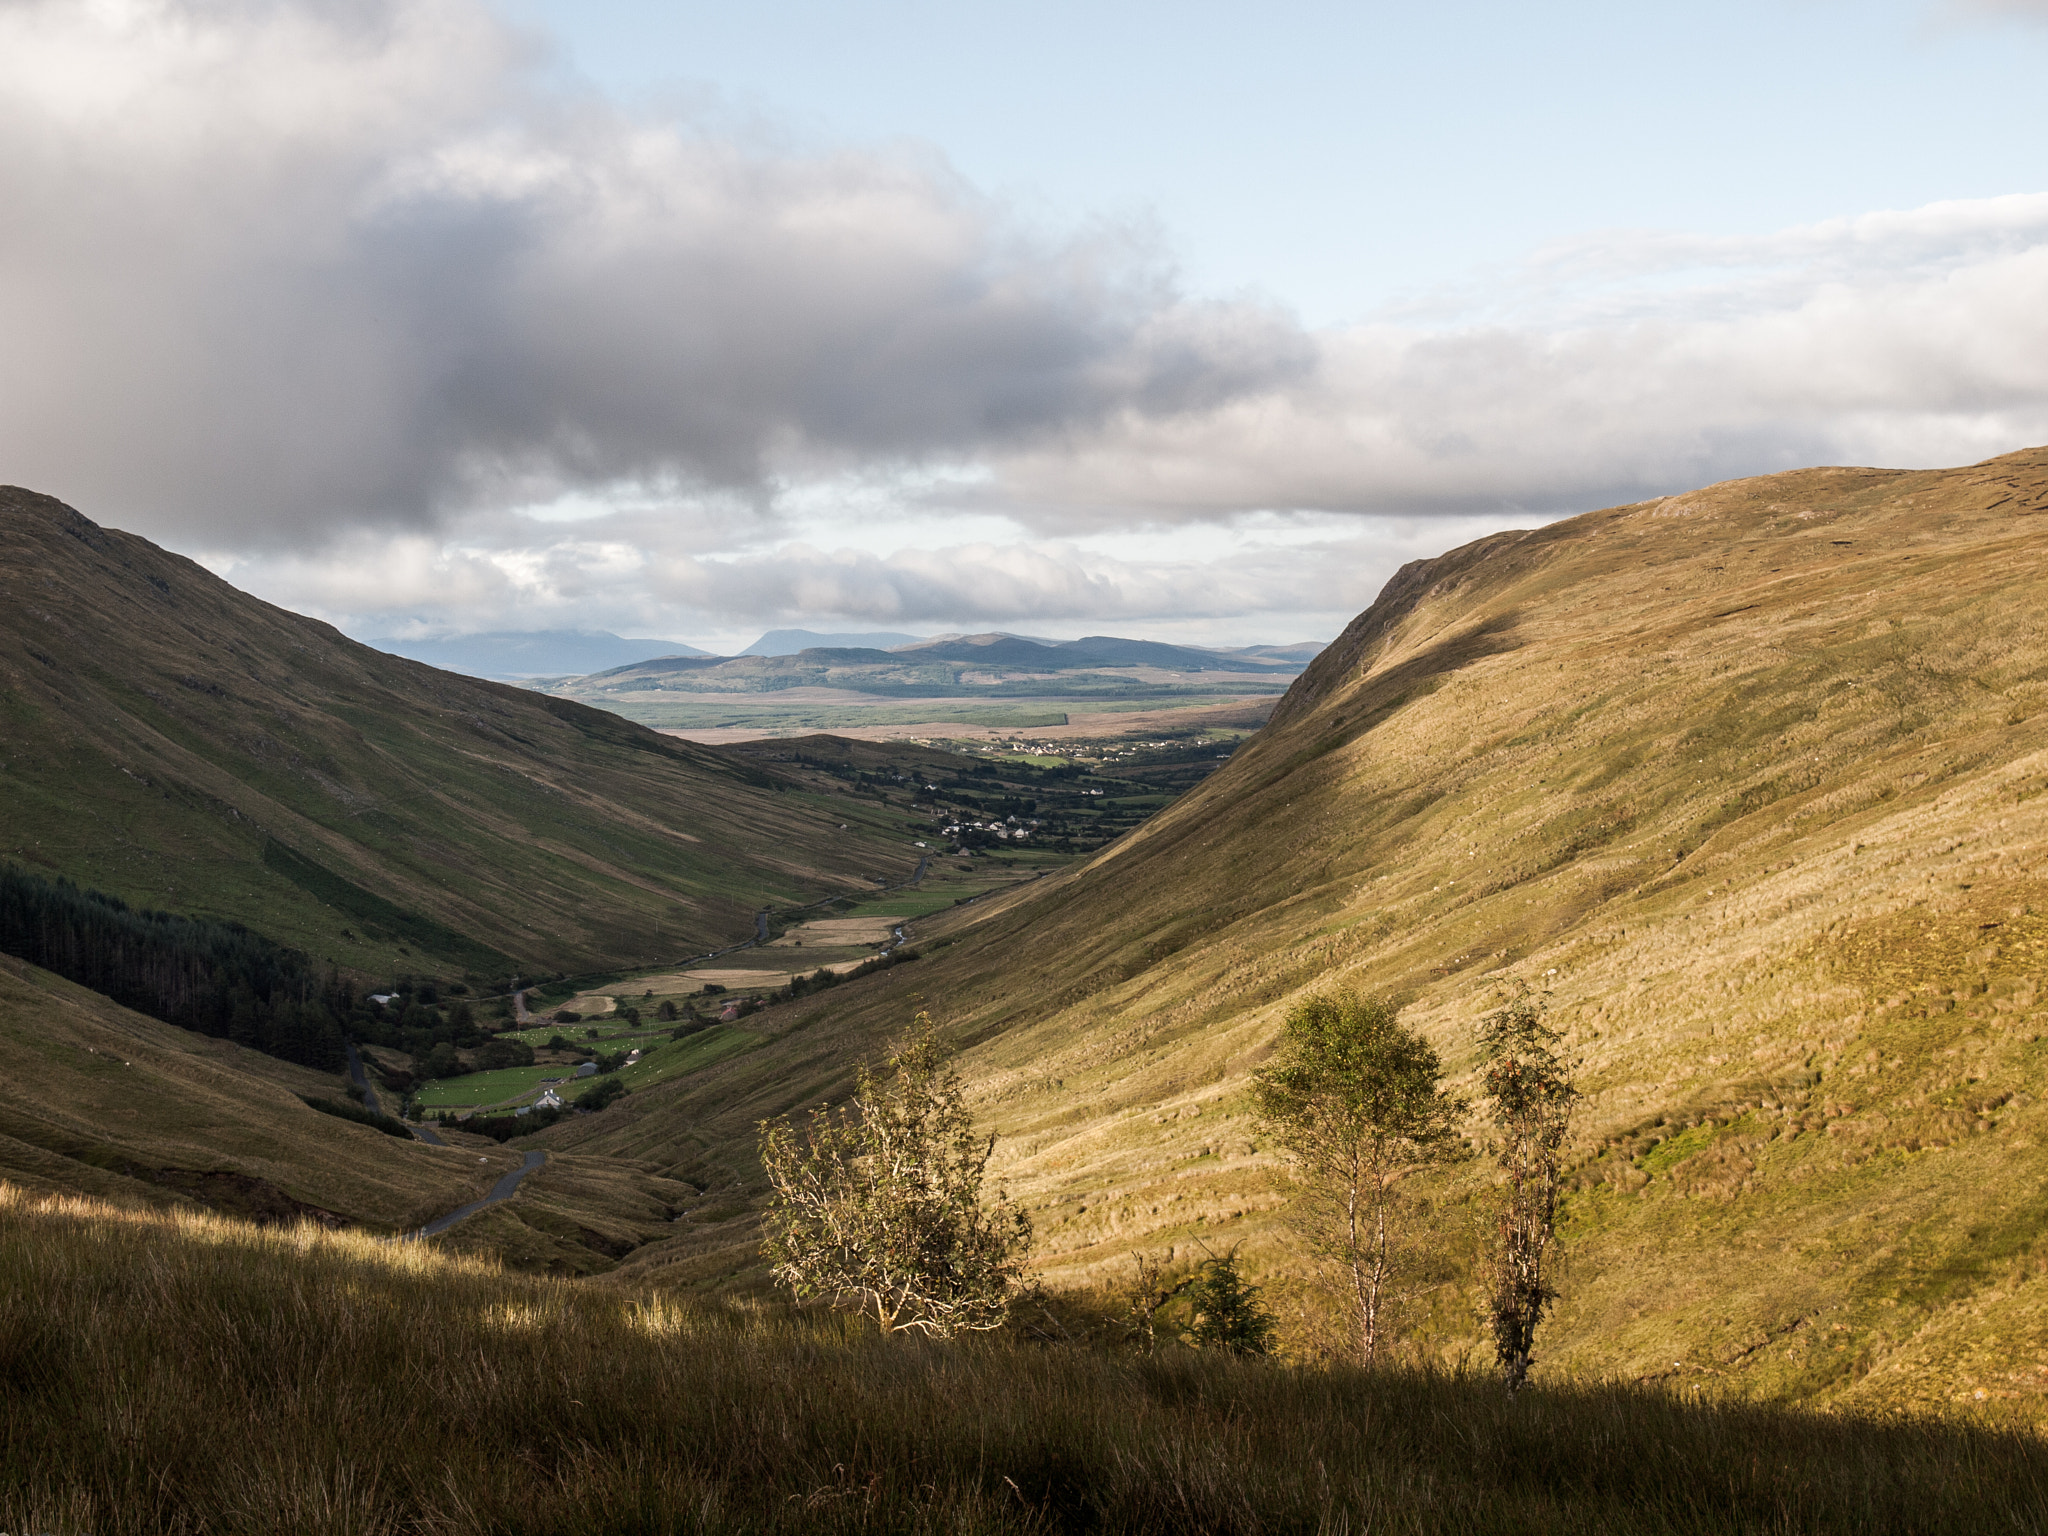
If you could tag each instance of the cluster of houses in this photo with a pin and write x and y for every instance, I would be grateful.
(1014, 830)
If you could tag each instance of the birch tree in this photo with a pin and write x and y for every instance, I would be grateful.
(1355, 1100)
(1529, 1081)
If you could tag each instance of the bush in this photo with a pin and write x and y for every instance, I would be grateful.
(880, 1208)
(341, 1109)
(568, 1016)
(606, 1091)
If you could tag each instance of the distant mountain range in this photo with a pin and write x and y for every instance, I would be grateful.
(1098, 669)
(788, 642)
(518, 655)
(507, 654)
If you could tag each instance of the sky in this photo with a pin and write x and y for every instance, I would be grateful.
(1189, 321)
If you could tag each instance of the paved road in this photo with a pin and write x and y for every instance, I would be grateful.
(502, 1190)
(375, 1106)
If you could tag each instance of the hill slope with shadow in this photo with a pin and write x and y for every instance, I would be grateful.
(1752, 781)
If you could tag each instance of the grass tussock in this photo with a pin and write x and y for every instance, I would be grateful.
(178, 1372)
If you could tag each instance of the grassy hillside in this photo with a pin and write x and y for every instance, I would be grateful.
(182, 745)
(1750, 780)
(102, 1101)
(184, 1372)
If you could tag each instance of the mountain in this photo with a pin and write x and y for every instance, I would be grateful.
(182, 745)
(1303, 651)
(1752, 782)
(994, 667)
(511, 654)
(1093, 652)
(787, 642)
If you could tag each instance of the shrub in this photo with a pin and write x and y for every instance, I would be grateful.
(880, 1208)
(1530, 1083)
(607, 1090)
(342, 1109)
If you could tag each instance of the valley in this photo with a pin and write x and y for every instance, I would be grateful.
(1744, 783)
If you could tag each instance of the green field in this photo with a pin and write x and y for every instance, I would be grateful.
(473, 1089)
(661, 1059)
(688, 1055)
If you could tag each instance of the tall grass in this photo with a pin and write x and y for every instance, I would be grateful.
(186, 1373)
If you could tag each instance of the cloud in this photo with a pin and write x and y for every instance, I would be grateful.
(1619, 367)
(272, 268)
(367, 299)
(1262, 578)
(2036, 10)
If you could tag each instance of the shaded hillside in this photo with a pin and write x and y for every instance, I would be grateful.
(97, 1100)
(181, 745)
(1750, 779)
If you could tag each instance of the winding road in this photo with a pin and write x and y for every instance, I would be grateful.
(376, 1107)
(502, 1190)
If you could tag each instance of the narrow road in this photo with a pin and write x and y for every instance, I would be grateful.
(375, 1106)
(502, 1190)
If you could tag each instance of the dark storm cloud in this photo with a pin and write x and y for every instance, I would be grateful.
(272, 267)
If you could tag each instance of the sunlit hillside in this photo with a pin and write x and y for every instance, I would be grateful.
(1748, 780)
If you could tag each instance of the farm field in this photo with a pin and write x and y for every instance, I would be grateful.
(662, 1058)
(474, 1089)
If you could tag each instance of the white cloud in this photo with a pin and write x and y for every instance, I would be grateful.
(1630, 366)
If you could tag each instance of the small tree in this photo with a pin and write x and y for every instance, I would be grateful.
(1355, 1100)
(1211, 1306)
(879, 1207)
(1530, 1083)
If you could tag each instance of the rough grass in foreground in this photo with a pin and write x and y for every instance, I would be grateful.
(185, 1372)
